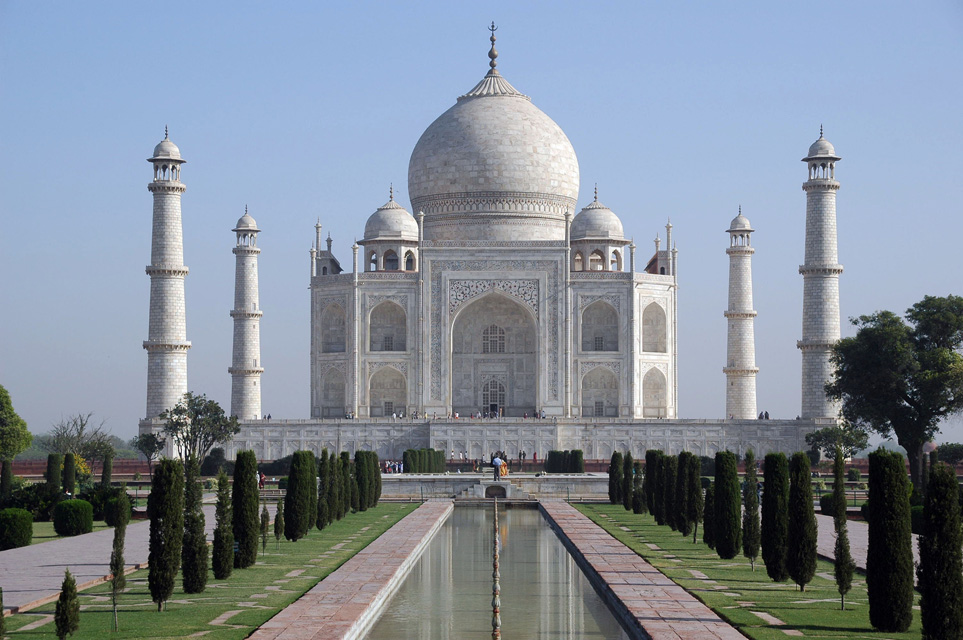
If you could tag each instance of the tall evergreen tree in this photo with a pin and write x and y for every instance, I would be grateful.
(312, 493)
(844, 565)
(223, 557)
(265, 527)
(107, 470)
(53, 475)
(709, 518)
(750, 515)
(615, 478)
(376, 477)
(658, 486)
(728, 507)
(801, 556)
(889, 558)
(694, 504)
(118, 579)
(279, 524)
(67, 613)
(244, 509)
(165, 507)
(346, 503)
(670, 467)
(649, 484)
(336, 501)
(297, 501)
(324, 489)
(638, 495)
(361, 478)
(70, 474)
(194, 558)
(682, 522)
(628, 469)
(940, 572)
(775, 516)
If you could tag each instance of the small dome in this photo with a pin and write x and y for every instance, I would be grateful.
(167, 150)
(246, 223)
(740, 223)
(596, 221)
(822, 148)
(391, 222)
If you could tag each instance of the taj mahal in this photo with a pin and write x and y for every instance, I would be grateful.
(492, 315)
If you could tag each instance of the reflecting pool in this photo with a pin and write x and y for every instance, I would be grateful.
(544, 594)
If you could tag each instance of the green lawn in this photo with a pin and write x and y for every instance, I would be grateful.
(44, 531)
(239, 604)
(740, 591)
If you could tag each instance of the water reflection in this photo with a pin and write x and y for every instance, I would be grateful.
(449, 591)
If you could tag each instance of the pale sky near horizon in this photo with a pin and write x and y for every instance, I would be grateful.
(309, 110)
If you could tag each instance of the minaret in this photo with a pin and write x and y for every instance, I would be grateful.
(740, 366)
(820, 326)
(246, 367)
(166, 342)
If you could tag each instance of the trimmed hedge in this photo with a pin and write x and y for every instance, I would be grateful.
(117, 510)
(565, 462)
(423, 461)
(73, 518)
(16, 528)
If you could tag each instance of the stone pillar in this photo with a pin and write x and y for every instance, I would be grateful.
(740, 366)
(246, 366)
(166, 342)
(820, 325)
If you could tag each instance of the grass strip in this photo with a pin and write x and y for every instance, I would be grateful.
(734, 591)
(227, 609)
(44, 531)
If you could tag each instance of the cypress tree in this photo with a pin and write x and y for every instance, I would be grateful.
(750, 516)
(324, 488)
(694, 502)
(223, 557)
(650, 479)
(67, 613)
(279, 524)
(265, 527)
(194, 559)
(658, 489)
(345, 482)
(376, 478)
(615, 478)
(118, 579)
(889, 558)
(313, 492)
(361, 478)
(801, 556)
(244, 504)
(940, 572)
(53, 474)
(682, 522)
(775, 516)
(165, 507)
(297, 501)
(670, 467)
(70, 474)
(627, 469)
(844, 565)
(708, 519)
(336, 502)
(728, 507)
(638, 496)
(107, 471)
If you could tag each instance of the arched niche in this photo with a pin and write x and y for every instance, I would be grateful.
(387, 327)
(333, 332)
(332, 394)
(387, 392)
(372, 262)
(654, 401)
(410, 264)
(600, 327)
(597, 261)
(600, 394)
(494, 338)
(653, 329)
(615, 262)
(390, 260)
(579, 262)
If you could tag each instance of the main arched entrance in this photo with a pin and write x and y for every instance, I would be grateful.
(494, 360)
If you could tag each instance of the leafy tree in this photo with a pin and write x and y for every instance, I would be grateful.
(77, 435)
(950, 452)
(118, 579)
(889, 558)
(728, 507)
(14, 437)
(682, 522)
(165, 507)
(69, 475)
(627, 469)
(615, 478)
(940, 571)
(149, 444)
(215, 461)
(801, 556)
(709, 520)
(850, 438)
(53, 475)
(775, 516)
(194, 557)
(694, 502)
(244, 504)
(265, 527)
(670, 467)
(67, 613)
(195, 424)
(894, 377)
(844, 565)
(324, 490)
(223, 556)
(297, 500)
(279, 524)
(650, 479)
(750, 516)
(638, 496)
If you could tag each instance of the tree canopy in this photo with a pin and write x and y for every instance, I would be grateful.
(950, 452)
(195, 424)
(902, 377)
(850, 438)
(78, 435)
(14, 436)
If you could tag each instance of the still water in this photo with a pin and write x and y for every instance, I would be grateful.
(449, 591)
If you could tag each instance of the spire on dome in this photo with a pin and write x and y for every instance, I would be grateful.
(492, 54)
(165, 132)
(391, 192)
(596, 191)
(820, 130)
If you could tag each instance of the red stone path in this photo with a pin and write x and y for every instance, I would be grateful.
(348, 601)
(640, 595)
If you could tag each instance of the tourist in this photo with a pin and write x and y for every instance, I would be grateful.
(535, 457)
(497, 466)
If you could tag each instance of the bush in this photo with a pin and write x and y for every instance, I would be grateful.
(854, 474)
(280, 467)
(916, 519)
(73, 517)
(53, 474)
(117, 510)
(283, 483)
(215, 460)
(826, 504)
(222, 556)
(70, 474)
(38, 499)
(98, 497)
(16, 528)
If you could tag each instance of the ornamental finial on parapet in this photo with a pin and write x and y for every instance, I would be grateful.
(493, 53)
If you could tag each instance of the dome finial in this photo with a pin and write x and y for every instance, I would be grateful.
(820, 130)
(596, 191)
(165, 132)
(740, 209)
(245, 209)
(493, 53)
(391, 191)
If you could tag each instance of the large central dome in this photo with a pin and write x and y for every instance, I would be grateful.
(493, 167)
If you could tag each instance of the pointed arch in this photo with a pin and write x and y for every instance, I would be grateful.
(333, 333)
(579, 261)
(387, 392)
(387, 327)
(389, 261)
(332, 394)
(600, 394)
(372, 262)
(410, 263)
(597, 261)
(615, 262)
(654, 329)
(654, 401)
(600, 327)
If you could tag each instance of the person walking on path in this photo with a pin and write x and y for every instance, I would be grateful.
(497, 466)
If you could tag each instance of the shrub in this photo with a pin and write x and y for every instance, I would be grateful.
(98, 496)
(279, 523)
(826, 504)
(728, 507)
(854, 474)
(889, 558)
(940, 572)
(843, 565)
(165, 507)
(283, 483)
(658, 497)
(244, 509)
(6, 480)
(214, 461)
(67, 611)
(801, 556)
(695, 502)
(361, 472)
(775, 516)
(638, 497)
(16, 528)
(577, 464)
(70, 474)
(73, 517)
(279, 467)
(916, 518)
(53, 474)
(117, 511)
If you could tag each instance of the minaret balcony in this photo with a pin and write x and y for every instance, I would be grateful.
(249, 371)
(821, 269)
(167, 345)
(166, 270)
(242, 313)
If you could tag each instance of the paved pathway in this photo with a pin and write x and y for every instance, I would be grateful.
(348, 601)
(858, 540)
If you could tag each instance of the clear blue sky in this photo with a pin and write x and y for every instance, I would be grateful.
(307, 110)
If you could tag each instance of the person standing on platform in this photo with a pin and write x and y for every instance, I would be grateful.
(497, 466)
